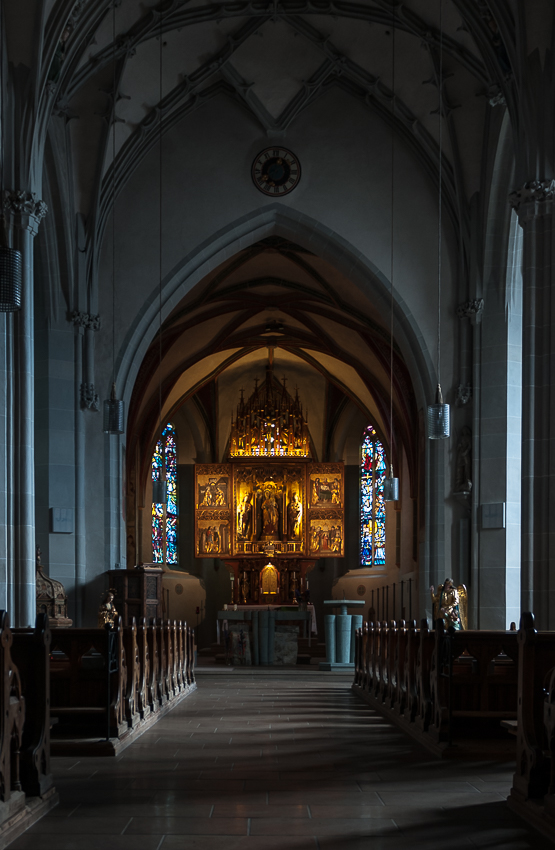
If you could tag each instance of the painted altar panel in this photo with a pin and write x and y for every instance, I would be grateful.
(213, 485)
(325, 485)
(279, 508)
(269, 502)
(326, 510)
(212, 534)
(326, 534)
(213, 497)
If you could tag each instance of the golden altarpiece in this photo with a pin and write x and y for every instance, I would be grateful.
(271, 511)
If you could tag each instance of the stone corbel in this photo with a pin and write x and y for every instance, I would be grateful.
(464, 394)
(87, 323)
(471, 309)
(24, 209)
(533, 199)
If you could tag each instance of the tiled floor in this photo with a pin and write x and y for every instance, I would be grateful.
(277, 762)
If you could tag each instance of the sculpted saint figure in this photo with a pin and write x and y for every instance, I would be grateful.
(270, 515)
(294, 514)
(446, 605)
(463, 482)
(245, 514)
(107, 612)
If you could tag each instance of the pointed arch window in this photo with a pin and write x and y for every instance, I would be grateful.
(164, 517)
(373, 469)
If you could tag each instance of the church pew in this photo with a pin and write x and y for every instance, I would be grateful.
(133, 664)
(144, 669)
(440, 699)
(12, 715)
(153, 676)
(30, 651)
(533, 792)
(398, 695)
(152, 669)
(27, 791)
(191, 657)
(85, 693)
(481, 684)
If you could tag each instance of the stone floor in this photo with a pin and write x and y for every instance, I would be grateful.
(279, 761)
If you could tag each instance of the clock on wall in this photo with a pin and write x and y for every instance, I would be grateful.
(276, 171)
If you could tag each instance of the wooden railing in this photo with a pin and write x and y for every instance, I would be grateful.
(106, 684)
(441, 687)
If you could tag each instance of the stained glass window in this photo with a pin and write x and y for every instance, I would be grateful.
(372, 503)
(164, 517)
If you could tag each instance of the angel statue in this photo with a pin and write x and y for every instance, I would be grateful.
(450, 604)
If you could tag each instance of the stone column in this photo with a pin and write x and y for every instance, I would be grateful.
(533, 204)
(24, 213)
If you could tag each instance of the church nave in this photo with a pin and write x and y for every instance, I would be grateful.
(280, 761)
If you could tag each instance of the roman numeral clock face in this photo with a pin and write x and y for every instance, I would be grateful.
(276, 171)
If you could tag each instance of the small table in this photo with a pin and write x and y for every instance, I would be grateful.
(340, 634)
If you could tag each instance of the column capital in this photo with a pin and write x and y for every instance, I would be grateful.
(24, 208)
(85, 320)
(533, 199)
(471, 309)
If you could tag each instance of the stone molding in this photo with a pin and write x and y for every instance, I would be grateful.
(25, 208)
(89, 398)
(533, 199)
(464, 394)
(85, 320)
(471, 309)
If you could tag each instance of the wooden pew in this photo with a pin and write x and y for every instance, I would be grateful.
(31, 653)
(27, 791)
(533, 793)
(444, 689)
(12, 714)
(142, 672)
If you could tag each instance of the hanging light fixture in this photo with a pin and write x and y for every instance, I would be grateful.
(113, 407)
(11, 263)
(159, 486)
(113, 413)
(391, 484)
(439, 419)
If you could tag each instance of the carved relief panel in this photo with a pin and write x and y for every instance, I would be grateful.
(281, 508)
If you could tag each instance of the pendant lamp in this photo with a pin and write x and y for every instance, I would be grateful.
(439, 419)
(113, 414)
(159, 486)
(10, 279)
(391, 487)
(113, 407)
(391, 484)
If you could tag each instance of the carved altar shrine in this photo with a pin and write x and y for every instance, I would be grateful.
(271, 511)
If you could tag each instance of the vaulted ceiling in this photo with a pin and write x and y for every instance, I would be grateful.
(146, 67)
(275, 296)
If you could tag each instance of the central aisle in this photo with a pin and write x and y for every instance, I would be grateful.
(277, 761)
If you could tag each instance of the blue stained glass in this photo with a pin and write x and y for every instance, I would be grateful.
(372, 504)
(164, 517)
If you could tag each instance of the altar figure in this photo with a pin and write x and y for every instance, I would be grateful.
(107, 612)
(294, 514)
(270, 515)
(449, 604)
(244, 516)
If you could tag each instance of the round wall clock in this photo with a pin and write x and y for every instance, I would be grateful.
(276, 171)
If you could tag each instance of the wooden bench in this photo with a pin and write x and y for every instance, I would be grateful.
(446, 690)
(107, 686)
